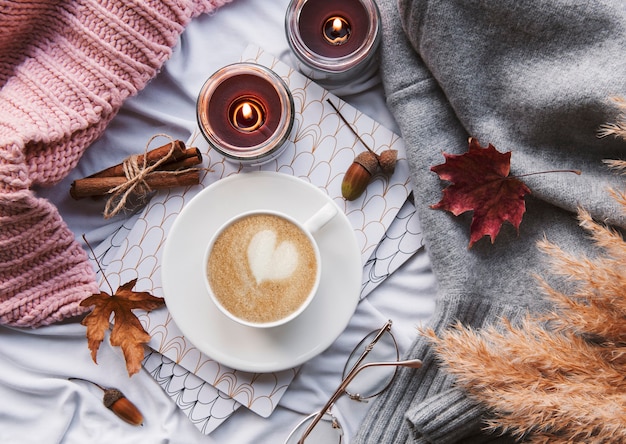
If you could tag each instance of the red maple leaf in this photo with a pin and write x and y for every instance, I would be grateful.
(480, 182)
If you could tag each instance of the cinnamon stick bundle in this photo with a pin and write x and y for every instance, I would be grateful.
(100, 186)
(175, 170)
(152, 157)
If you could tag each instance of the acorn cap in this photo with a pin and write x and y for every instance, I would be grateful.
(110, 396)
(387, 160)
(367, 160)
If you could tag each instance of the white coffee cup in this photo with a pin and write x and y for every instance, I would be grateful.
(262, 268)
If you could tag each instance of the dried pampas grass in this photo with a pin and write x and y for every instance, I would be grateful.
(561, 377)
(617, 129)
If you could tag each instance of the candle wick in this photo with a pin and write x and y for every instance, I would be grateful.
(246, 110)
(337, 26)
(336, 30)
(247, 115)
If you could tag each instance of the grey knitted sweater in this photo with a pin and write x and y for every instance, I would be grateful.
(531, 77)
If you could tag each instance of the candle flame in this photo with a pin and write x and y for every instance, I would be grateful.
(337, 25)
(246, 110)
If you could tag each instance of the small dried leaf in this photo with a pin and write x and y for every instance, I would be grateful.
(127, 332)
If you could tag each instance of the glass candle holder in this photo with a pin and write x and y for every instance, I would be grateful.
(335, 42)
(245, 111)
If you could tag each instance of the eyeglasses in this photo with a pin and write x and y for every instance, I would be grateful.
(381, 364)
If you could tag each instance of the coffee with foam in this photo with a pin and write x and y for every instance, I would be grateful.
(262, 268)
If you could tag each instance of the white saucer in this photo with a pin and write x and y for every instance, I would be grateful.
(246, 348)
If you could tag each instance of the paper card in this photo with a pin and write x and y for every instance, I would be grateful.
(319, 151)
(401, 241)
(205, 406)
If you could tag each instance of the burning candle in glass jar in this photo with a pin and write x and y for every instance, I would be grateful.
(246, 112)
(335, 42)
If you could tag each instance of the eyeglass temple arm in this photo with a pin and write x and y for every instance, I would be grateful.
(413, 363)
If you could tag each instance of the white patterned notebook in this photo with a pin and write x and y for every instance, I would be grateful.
(319, 151)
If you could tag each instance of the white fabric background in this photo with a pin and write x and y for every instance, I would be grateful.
(37, 402)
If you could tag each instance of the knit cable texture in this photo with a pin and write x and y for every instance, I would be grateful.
(66, 68)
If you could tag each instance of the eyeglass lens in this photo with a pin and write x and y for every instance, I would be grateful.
(327, 431)
(374, 380)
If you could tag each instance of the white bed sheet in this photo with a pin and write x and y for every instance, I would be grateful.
(38, 403)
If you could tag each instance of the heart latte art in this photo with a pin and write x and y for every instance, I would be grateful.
(262, 268)
(269, 262)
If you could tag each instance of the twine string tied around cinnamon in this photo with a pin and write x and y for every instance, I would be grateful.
(136, 172)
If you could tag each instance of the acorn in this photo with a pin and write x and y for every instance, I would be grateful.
(115, 401)
(358, 175)
(387, 160)
(122, 407)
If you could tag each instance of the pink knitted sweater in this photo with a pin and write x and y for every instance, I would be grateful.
(66, 67)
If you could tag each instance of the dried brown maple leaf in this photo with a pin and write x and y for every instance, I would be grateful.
(480, 182)
(127, 331)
